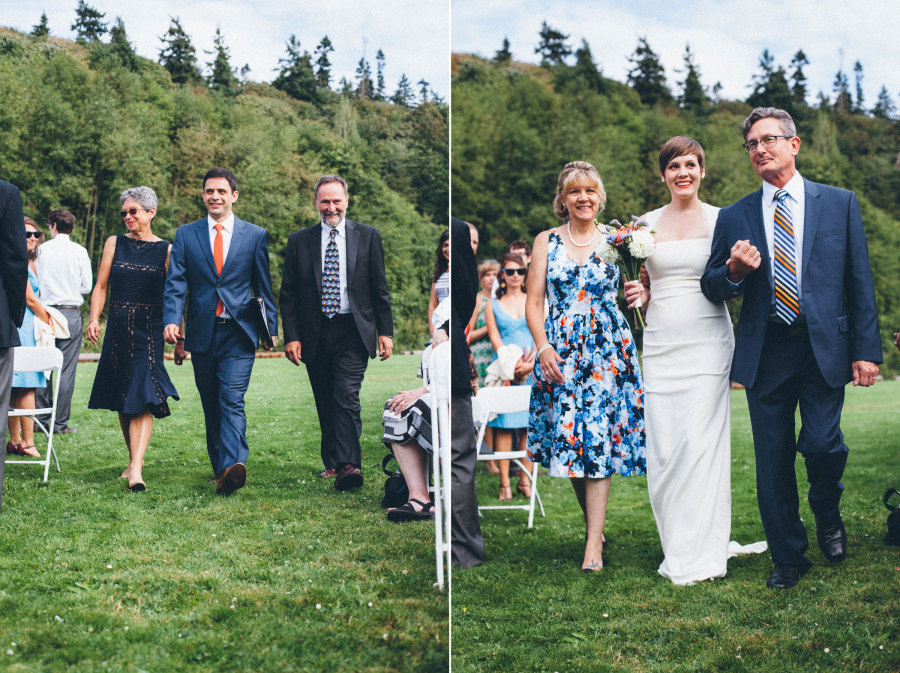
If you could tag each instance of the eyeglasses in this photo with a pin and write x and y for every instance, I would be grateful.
(130, 211)
(765, 141)
(32, 234)
(513, 272)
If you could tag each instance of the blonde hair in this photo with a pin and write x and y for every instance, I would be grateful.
(576, 173)
(487, 266)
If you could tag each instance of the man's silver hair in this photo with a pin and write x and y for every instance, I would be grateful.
(784, 120)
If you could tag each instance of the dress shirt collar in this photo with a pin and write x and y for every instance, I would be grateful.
(61, 237)
(227, 223)
(341, 228)
(794, 188)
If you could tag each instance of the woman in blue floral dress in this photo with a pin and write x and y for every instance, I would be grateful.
(587, 410)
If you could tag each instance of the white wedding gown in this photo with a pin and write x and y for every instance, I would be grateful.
(688, 345)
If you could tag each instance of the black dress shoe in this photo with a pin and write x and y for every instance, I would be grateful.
(784, 576)
(832, 538)
(348, 477)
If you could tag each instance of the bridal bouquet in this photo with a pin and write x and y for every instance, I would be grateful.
(634, 243)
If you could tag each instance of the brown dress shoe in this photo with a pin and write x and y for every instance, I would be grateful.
(232, 479)
(326, 473)
(348, 477)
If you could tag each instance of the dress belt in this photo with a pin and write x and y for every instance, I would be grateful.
(66, 307)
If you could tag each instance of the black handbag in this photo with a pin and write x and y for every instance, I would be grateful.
(893, 534)
(396, 492)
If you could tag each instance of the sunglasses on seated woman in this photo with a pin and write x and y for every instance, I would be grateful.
(32, 234)
(513, 272)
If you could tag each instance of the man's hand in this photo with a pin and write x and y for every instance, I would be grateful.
(864, 373)
(385, 346)
(171, 333)
(180, 354)
(439, 337)
(292, 351)
(745, 259)
(271, 343)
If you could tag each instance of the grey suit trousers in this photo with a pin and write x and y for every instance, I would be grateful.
(6, 372)
(466, 542)
(71, 349)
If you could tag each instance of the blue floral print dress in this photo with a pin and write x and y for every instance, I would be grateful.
(592, 424)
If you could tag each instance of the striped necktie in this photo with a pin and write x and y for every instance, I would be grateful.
(787, 302)
(331, 283)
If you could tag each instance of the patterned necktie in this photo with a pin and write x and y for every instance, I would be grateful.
(331, 282)
(219, 258)
(787, 302)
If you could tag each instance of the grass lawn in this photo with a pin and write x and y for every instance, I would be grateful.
(530, 608)
(286, 575)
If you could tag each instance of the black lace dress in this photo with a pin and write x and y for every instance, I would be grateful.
(131, 376)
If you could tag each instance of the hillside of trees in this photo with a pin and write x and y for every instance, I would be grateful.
(83, 120)
(515, 125)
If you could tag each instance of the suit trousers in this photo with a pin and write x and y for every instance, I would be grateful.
(336, 375)
(222, 375)
(466, 542)
(71, 349)
(789, 376)
(6, 372)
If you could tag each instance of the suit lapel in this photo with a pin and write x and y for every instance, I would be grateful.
(237, 240)
(315, 254)
(352, 248)
(203, 243)
(758, 234)
(812, 208)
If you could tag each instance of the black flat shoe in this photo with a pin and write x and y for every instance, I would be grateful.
(832, 538)
(406, 512)
(137, 487)
(784, 576)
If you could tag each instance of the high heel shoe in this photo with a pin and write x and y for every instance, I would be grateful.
(505, 493)
(524, 489)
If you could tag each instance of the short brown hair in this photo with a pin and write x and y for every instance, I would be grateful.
(680, 146)
(501, 280)
(576, 172)
(63, 220)
(487, 266)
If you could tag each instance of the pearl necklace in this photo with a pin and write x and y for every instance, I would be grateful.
(572, 240)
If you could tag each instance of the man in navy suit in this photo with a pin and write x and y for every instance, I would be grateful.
(336, 313)
(796, 251)
(218, 266)
(13, 277)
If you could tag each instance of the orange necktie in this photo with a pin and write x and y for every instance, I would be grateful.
(219, 258)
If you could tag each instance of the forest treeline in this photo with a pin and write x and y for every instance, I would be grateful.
(81, 121)
(515, 125)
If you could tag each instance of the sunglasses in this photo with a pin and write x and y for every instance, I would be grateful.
(130, 211)
(32, 234)
(513, 272)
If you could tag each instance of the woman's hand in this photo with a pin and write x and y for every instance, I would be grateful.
(399, 402)
(550, 362)
(636, 294)
(93, 331)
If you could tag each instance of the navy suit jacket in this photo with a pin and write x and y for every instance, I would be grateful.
(192, 279)
(838, 295)
(14, 264)
(301, 287)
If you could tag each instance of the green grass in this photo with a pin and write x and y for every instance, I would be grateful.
(286, 575)
(529, 608)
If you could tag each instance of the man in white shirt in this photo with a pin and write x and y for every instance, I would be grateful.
(64, 274)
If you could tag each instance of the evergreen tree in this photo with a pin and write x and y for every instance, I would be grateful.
(379, 78)
(178, 55)
(346, 87)
(647, 76)
(858, 76)
(693, 95)
(717, 92)
(323, 65)
(364, 88)
(404, 94)
(884, 106)
(296, 77)
(841, 88)
(221, 75)
(88, 26)
(798, 88)
(42, 29)
(119, 45)
(552, 47)
(586, 69)
(770, 86)
(503, 55)
(423, 90)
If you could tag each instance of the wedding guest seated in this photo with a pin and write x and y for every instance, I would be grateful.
(21, 428)
(407, 434)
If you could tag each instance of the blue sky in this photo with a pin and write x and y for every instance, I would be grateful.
(726, 36)
(414, 34)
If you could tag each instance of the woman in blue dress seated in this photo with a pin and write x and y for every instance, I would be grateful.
(131, 377)
(587, 409)
(21, 428)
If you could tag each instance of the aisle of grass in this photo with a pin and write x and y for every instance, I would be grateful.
(529, 608)
(286, 575)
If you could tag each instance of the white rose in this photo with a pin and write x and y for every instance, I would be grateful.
(641, 244)
(607, 253)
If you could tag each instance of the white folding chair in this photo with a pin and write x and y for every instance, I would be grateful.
(39, 359)
(505, 400)
(438, 380)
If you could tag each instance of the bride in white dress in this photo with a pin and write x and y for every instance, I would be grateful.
(688, 345)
